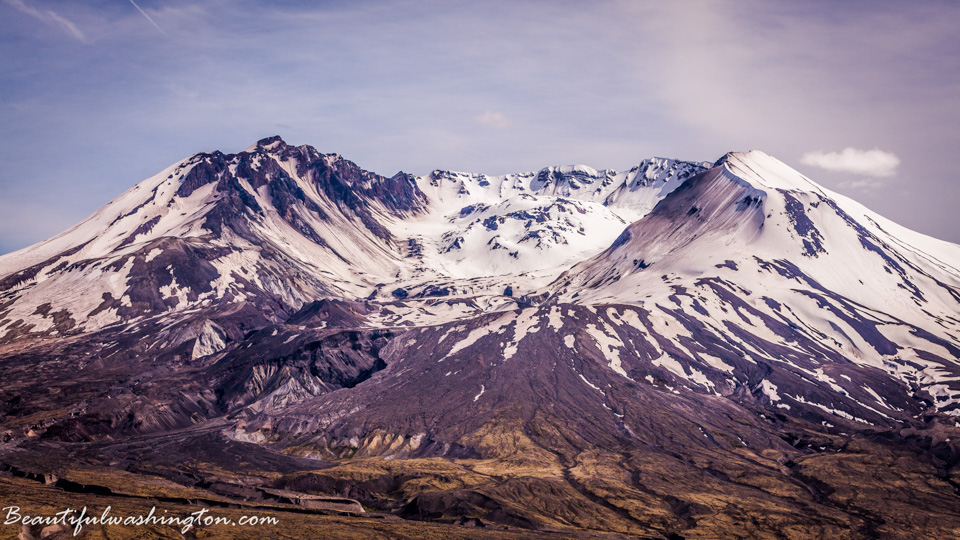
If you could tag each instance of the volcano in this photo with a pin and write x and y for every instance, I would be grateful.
(682, 349)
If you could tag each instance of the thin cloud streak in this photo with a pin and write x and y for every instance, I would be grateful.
(147, 16)
(862, 184)
(49, 17)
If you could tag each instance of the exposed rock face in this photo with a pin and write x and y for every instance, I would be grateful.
(212, 339)
(676, 349)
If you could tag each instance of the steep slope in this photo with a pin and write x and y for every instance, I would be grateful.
(275, 225)
(798, 281)
(674, 349)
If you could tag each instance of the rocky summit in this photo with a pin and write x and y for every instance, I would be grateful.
(678, 350)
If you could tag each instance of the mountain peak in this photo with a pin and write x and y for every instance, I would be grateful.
(267, 143)
(764, 171)
(733, 155)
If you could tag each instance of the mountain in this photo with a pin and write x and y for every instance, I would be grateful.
(683, 348)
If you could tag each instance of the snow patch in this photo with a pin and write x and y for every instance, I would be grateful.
(525, 324)
(477, 333)
(770, 390)
(609, 344)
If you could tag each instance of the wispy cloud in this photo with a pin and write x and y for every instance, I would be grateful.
(494, 119)
(147, 16)
(49, 17)
(862, 183)
(875, 163)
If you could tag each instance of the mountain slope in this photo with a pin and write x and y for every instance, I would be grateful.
(281, 225)
(268, 226)
(675, 349)
(798, 276)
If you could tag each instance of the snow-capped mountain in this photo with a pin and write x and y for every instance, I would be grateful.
(288, 225)
(560, 331)
(801, 276)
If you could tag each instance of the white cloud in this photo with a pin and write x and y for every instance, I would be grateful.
(495, 119)
(49, 17)
(875, 163)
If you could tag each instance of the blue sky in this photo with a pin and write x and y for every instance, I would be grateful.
(863, 97)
